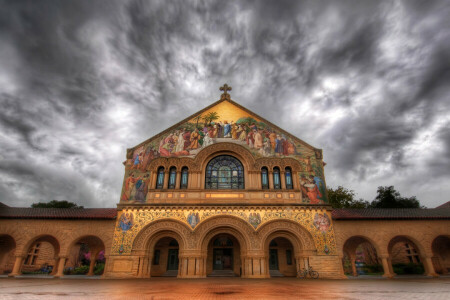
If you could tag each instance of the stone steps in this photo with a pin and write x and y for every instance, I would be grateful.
(222, 273)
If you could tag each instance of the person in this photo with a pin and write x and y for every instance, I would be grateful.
(279, 145)
(273, 141)
(129, 183)
(258, 139)
(227, 130)
(234, 134)
(207, 140)
(242, 133)
(195, 136)
(142, 189)
(180, 141)
(250, 139)
(187, 140)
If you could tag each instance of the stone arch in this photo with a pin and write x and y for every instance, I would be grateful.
(95, 245)
(236, 150)
(50, 238)
(403, 237)
(441, 253)
(7, 248)
(147, 235)
(235, 226)
(304, 239)
(352, 242)
(371, 253)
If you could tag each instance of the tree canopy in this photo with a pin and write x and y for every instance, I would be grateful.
(344, 198)
(388, 197)
(56, 204)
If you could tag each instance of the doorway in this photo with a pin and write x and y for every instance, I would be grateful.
(273, 259)
(172, 259)
(223, 259)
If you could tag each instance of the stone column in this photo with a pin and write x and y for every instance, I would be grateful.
(178, 180)
(153, 177)
(91, 267)
(166, 179)
(270, 174)
(283, 180)
(354, 271)
(295, 180)
(429, 268)
(61, 264)
(17, 266)
(386, 267)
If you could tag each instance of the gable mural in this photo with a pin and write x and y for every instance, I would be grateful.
(224, 122)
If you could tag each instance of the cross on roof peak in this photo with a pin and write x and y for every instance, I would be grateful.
(225, 88)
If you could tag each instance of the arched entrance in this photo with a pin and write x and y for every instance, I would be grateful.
(42, 256)
(165, 261)
(281, 258)
(441, 254)
(223, 258)
(86, 257)
(7, 247)
(361, 257)
(405, 256)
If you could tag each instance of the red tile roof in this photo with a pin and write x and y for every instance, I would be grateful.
(445, 205)
(7, 212)
(390, 214)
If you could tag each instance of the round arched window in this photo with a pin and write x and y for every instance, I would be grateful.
(224, 172)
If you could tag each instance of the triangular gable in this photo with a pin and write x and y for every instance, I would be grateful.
(227, 111)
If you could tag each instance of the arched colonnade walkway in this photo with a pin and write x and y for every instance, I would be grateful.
(51, 249)
(433, 253)
(221, 246)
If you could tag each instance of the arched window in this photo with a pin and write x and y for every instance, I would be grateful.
(184, 178)
(276, 178)
(264, 178)
(288, 176)
(224, 172)
(160, 178)
(172, 177)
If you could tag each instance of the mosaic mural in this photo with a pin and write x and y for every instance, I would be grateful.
(318, 224)
(224, 122)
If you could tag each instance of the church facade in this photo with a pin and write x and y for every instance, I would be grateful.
(224, 193)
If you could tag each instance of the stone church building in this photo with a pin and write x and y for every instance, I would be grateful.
(222, 193)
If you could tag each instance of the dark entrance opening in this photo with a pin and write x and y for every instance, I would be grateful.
(273, 259)
(172, 259)
(223, 259)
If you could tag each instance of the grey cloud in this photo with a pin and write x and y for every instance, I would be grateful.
(91, 79)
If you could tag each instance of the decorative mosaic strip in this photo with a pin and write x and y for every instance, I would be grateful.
(317, 223)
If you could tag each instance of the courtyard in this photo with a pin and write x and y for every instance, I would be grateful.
(224, 288)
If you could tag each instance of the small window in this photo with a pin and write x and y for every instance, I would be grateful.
(184, 178)
(160, 179)
(264, 178)
(289, 257)
(276, 178)
(156, 257)
(172, 177)
(288, 176)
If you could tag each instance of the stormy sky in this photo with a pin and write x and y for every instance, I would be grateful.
(82, 81)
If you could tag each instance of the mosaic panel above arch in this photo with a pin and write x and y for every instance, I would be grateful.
(316, 222)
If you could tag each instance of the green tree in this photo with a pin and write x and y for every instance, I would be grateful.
(388, 197)
(210, 117)
(197, 119)
(56, 204)
(344, 198)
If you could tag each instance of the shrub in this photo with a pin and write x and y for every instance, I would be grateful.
(98, 269)
(410, 268)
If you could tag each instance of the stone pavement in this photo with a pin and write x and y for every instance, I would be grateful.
(224, 288)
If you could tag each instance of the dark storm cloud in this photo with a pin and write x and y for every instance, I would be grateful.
(81, 81)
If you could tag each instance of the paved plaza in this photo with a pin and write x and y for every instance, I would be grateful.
(224, 288)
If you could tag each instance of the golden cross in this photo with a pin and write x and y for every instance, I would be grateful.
(225, 88)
